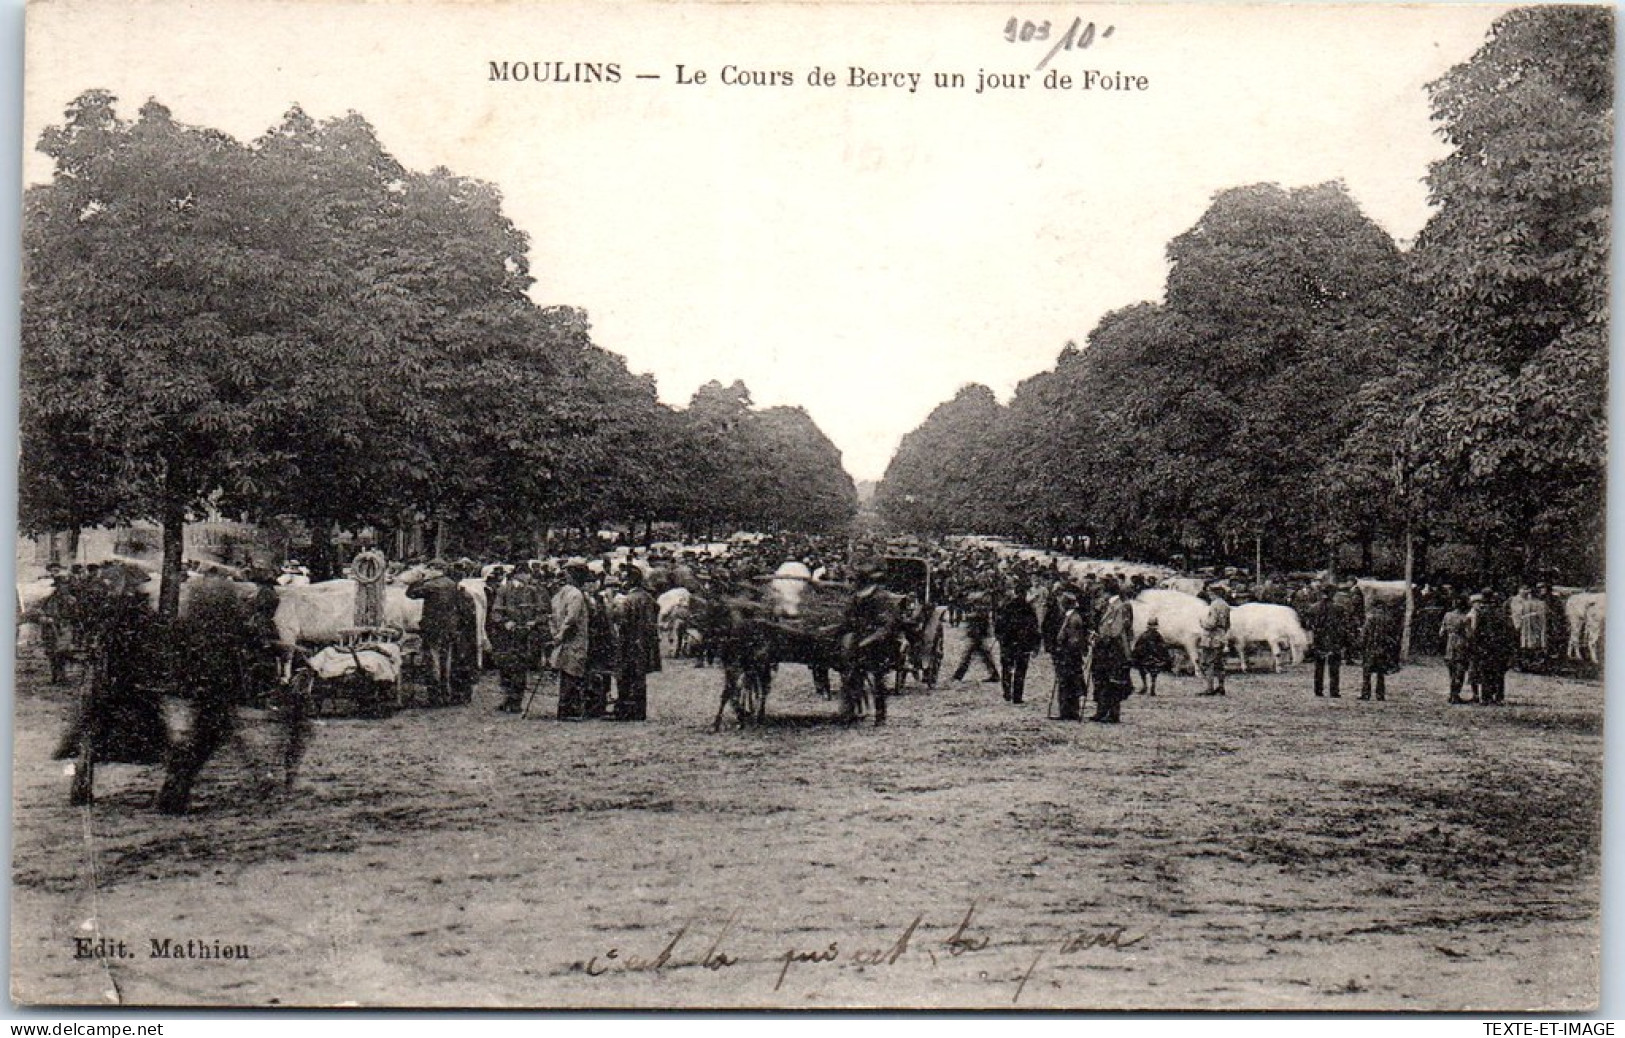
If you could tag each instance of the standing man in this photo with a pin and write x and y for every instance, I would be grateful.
(603, 648)
(1108, 664)
(638, 619)
(1456, 634)
(1495, 647)
(516, 618)
(1379, 650)
(976, 632)
(1214, 640)
(448, 629)
(569, 609)
(1015, 627)
(1071, 641)
(1328, 628)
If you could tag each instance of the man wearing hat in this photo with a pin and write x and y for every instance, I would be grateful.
(1329, 629)
(1015, 628)
(516, 618)
(447, 625)
(1215, 638)
(1071, 642)
(638, 619)
(569, 609)
(873, 623)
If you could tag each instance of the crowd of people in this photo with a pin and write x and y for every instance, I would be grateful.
(594, 622)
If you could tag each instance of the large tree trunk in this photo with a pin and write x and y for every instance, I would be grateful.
(173, 524)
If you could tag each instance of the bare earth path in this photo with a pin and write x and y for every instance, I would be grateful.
(1265, 850)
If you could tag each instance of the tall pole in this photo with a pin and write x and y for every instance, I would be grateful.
(1410, 593)
(1258, 559)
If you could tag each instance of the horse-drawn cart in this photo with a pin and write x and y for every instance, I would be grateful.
(910, 576)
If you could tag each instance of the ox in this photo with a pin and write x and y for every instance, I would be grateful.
(674, 606)
(320, 613)
(1585, 613)
(1387, 593)
(1274, 625)
(1179, 618)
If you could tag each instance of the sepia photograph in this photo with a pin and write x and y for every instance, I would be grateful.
(549, 504)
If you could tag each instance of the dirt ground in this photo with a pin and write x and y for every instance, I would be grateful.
(1267, 850)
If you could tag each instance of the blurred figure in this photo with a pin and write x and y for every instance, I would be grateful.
(1456, 635)
(1378, 652)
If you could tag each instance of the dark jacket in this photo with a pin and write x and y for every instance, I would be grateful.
(1016, 625)
(1330, 626)
(638, 621)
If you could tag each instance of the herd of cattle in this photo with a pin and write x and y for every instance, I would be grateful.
(1173, 603)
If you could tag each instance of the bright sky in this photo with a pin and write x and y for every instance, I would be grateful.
(860, 251)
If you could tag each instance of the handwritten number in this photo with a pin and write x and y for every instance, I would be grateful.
(1016, 29)
(1078, 36)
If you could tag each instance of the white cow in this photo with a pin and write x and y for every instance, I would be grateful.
(1381, 592)
(321, 611)
(1185, 585)
(789, 586)
(1585, 613)
(1179, 618)
(1277, 626)
(674, 607)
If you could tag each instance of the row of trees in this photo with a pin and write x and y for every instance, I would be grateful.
(300, 326)
(1307, 384)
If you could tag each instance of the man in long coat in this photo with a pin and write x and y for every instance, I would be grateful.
(638, 619)
(1109, 662)
(569, 611)
(1071, 642)
(1494, 649)
(517, 616)
(1329, 629)
(448, 628)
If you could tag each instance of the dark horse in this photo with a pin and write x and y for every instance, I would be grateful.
(750, 644)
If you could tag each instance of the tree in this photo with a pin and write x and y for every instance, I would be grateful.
(163, 324)
(945, 475)
(1514, 269)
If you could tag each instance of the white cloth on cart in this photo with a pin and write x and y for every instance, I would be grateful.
(381, 661)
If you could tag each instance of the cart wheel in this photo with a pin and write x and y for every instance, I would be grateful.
(933, 660)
